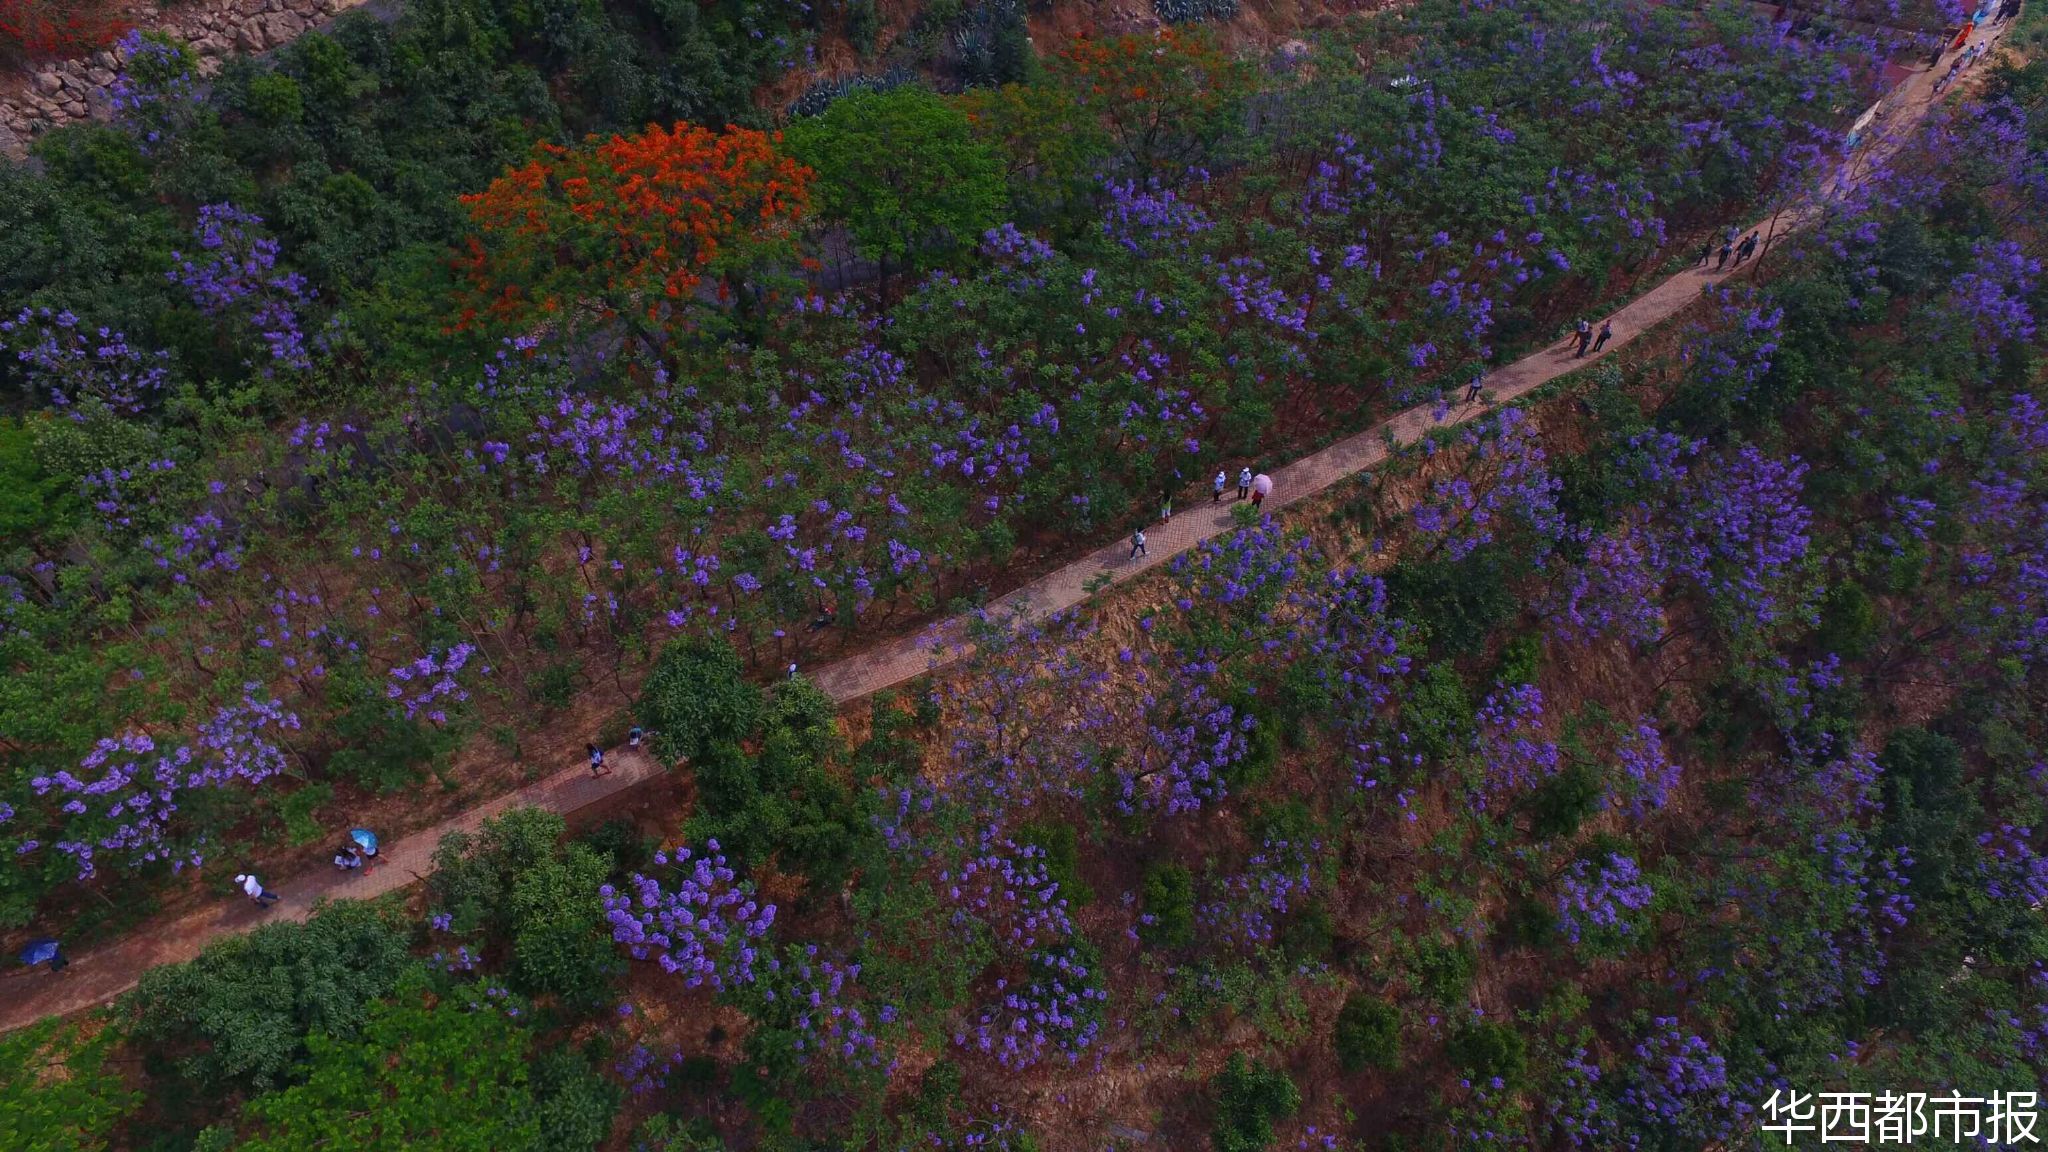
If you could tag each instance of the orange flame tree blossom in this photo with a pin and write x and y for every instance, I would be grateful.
(629, 227)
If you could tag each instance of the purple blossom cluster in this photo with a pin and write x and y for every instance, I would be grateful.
(1506, 477)
(707, 927)
(431, 683)
(235, 273)
(126, 795)
(1681, 1086)
(820, 996)
(1246, 906)
(1512, 745)
(79, 368)
(1599, 897)
(1648, 776)
(158, 96)
(1048, 993)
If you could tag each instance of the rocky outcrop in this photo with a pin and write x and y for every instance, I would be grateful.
(53, 93)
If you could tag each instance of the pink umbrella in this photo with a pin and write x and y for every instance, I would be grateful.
(1262, 484)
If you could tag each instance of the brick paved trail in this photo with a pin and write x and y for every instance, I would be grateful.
(100, 976)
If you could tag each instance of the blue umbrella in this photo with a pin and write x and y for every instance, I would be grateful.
(39, 952)
(366, 838)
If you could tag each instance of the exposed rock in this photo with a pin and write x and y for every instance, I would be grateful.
(99, 77)
(249, 37)
(49, 83)
(282, 27)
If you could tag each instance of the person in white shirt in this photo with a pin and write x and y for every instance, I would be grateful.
(254, 890)
(1244, 484)
(1222, 482)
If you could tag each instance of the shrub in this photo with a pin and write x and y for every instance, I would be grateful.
(238, 1017)
(1560, 804)
(1062, 848)
(1368, 1034)
(576, 1104)
(1445, 971)
(1249, 1098)
(1169, 906)
(1848, 621)
(275, 98)
(1438, 714)
(516, 883)
(1459, 602)
(1486, 1049)
(420, 1073)
(863, 24)
(698, 695)
(56, 1092)
(559, 942)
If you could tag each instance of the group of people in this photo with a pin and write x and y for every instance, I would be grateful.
(1248, 488)
(1741, 250)
(1971, 53)
(1583, 333)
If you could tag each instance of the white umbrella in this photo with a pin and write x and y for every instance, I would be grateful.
(1262, 484)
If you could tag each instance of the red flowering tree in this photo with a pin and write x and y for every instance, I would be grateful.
(1163, 97)
(36, 29)
(630, 227)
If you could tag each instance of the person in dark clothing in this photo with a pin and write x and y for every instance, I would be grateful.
(1747, 249)
(1137, 544)
(1706, 253)
(1606, 334)
(1727, 250)
(1472, 389)
(1585, 334)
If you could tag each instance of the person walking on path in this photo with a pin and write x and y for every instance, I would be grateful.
(255, 891)
(597, 767)
(1747, 250)
(1606, 334)
(1706, 253)
(1244, 483)
(634, 736)
(1727, 250)
(1138, 543)
(1222, 482)
(348, 857)
(1584, 331)
(1165, 507)
(45, 950)
(1472, 389)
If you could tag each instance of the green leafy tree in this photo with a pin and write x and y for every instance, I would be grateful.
(240, 1015)
(559, 945)
(902, 170)
(33, 502)
(1368, 1033)
(517, 883)
(1249, 1097)
(784, 803)
(56, 1092)
(433, 1077)
(1169, 901)
(698, 696)
(1486, 1049)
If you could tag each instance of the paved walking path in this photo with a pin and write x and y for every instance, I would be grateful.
(100, 976)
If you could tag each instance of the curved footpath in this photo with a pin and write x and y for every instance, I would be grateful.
(27, 996)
